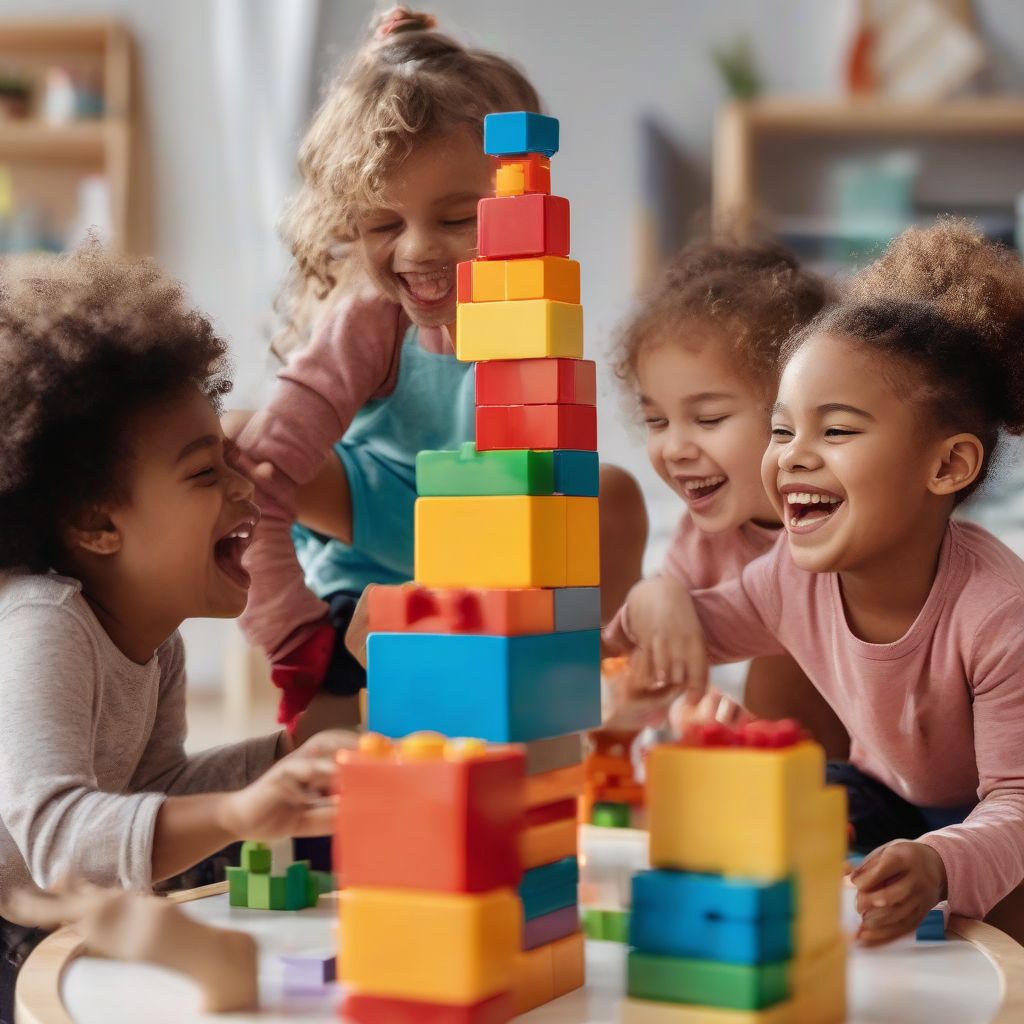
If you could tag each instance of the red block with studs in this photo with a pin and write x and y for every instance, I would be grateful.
(768, 735)
(536, 426)
(509, 227)
(536, 382)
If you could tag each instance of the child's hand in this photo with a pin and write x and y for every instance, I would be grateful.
(896, 887)
(293, 798)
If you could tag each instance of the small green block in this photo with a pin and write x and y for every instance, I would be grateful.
(238, 887)
(611, 815)
(259, 892)
(312, 892)
(296, 885)
(668, 979)
(606, 925)
(256, 858)
(469, 472)
(325, 881)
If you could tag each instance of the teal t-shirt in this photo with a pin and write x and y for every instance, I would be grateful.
(431, 407)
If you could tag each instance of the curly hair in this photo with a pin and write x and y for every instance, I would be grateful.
(756, 294)
(946, 306)
(87, 341)
(407, 86)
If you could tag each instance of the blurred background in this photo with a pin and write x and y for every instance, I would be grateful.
(173, 128)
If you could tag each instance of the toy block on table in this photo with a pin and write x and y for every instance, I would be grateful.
(255, 857)
(536, 426)
(644, 1011)
(609, 815)
(551, 841)
(606, 925)
(520, 174)
(516, 132)
(238, 886)
(469, 473)
(507, 541)
(456, 804)
(513, 227)
(308, 972)
(544, 814)
(266, 892)
(536, 382)
(368, 1009)
(577, 608)
(523, 329)
(549, 971)
(537, 277)
(549, 887)
(552, 754)
(539, 931)
(441, 947)
(550, 787)
(933, 927)
(419, 680)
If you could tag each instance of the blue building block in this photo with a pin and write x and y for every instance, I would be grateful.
(549, 888)
(680, 914)
(497, 688)
(509, 134)
(576, 473)
(577, 608)
(933, 927)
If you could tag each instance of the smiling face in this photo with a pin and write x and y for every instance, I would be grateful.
(850, 460)
(707, 428)
(426, 224)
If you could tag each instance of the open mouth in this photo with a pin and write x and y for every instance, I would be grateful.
(428, 290)
(698, 491)
(807, 510)
(228, 552)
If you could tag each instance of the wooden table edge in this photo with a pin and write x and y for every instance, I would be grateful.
(1005, 955)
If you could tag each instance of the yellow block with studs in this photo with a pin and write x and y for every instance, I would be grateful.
(518, 329)
(439, 947)
(543, 277)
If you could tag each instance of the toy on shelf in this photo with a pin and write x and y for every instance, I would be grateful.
(739, 918)
(252, 885)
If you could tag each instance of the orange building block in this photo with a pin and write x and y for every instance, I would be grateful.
(552, 786)
(425, 813)
(543, 844)
(541, 277)
(550, 971)
(414, 609)
(366, 1009)
(522, 175)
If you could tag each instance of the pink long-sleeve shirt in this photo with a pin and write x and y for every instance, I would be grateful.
(352, 358)
(937, 716)
(700, 559)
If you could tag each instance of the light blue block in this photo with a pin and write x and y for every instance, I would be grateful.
(576, 473)
(577, 608)
(509, 134)
(681, 914)
(497, 688)
(549, 888)
(933, 927)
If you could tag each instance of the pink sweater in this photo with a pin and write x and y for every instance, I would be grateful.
(938, 716)
(700, 559)
(353, 358)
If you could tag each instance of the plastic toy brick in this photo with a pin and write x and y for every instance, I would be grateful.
(542, 844)
(631, 793)
(238, 887)
(610, 815)
(507, 541)
(668, 979)
(643, 1011)
(323, 882)
(266, 892)
(469, 472)
(552, 754)
(680, 914)
(536, 426)
(464, 282)
(567, 963)
(819, 986)
(255, 857)
(606, 925)
(577, 473)
(516, 175)
(552, 786)
(763, 734)
(440, 947)
(577, 608)
(522, 687)
(513, 227)
(819, 907)
(512, 133)
(308, 972)
(549, 971)
(539, 931)
(933, 927)
(550, 887)
(525, 329)
(560, 810)
(429, 814)
(297, 886)
(539, 277)
(536, 381)
(367, 1009)
(415, 609)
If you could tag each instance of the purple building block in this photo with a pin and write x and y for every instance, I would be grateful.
(538, 931)
(308, 972)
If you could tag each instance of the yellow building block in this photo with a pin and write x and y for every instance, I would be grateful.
(507, 541)
(510, 180)
(642, 1011)
(542, 844)
(524, 329)
(818, 922)
(819, 986)
(440, 947)
(488, 280)
(583, 543)
(549, 971)
(543, 277)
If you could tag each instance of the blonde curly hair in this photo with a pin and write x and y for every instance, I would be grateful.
(409, 84)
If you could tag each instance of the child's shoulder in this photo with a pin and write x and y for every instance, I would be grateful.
(22, 590)
(994, 574)
(704, 559)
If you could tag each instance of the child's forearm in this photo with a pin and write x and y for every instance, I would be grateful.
(189, 828)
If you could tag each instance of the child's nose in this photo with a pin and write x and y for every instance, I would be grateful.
(680, 447)
(420, 244)
(240, 487)
(796, 456)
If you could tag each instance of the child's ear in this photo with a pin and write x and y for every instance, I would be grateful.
(958, 462)
(95, 532)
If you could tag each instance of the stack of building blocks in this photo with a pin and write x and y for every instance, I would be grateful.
(499, 636)
(427, 854)
(739, 920)
(252, 885)
(612, 794)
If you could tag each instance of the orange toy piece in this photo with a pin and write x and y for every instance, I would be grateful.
(552, 786)
(544, 844)
(366, 1009)
(428, 813)
(519, 175)
(549, 971)
(414, 609)
(609, 771)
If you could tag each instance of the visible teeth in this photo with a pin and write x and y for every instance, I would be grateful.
(708, 481)
(809, 498)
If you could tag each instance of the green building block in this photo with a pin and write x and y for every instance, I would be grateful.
(611, 815)
(267, 892)
(469, 472)
(296, 886)
(606, 925)
(668, 979)
(238, 887)
(325, 881)
(256, 858)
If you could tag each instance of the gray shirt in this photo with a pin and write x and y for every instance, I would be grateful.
(91, 743)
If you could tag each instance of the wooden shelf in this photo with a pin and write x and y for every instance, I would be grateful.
(76, 142)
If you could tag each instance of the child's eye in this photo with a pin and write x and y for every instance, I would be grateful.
(654, 422)
(781, 433)
(839, 432)
(383, 229)
(459, 222)
(204, 474)
(711, 421)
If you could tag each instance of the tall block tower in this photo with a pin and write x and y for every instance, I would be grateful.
(498, 638)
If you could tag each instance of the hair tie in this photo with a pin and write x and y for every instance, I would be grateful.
(401, 19)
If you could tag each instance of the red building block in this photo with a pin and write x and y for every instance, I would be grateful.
(547, 813)
(366, 1009)
(464, 281)
(513, 226)
(536, 426)
(529, 173)
(428, 813)
(414, 609)
(536, 382)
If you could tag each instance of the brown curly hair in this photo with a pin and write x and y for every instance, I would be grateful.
(946, 306)
(754, 293)
(405, 87)
(87, 341)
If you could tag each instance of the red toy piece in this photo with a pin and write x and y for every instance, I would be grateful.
(464, 281)
(761, 733)
(536, 382)
(514, 226)
(367, 1009)
(536, 426)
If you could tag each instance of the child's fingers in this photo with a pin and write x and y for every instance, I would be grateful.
(886, 925)
(880, 866)
(890, 894)
(34, 908)
(317, 821)
(324, 745)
